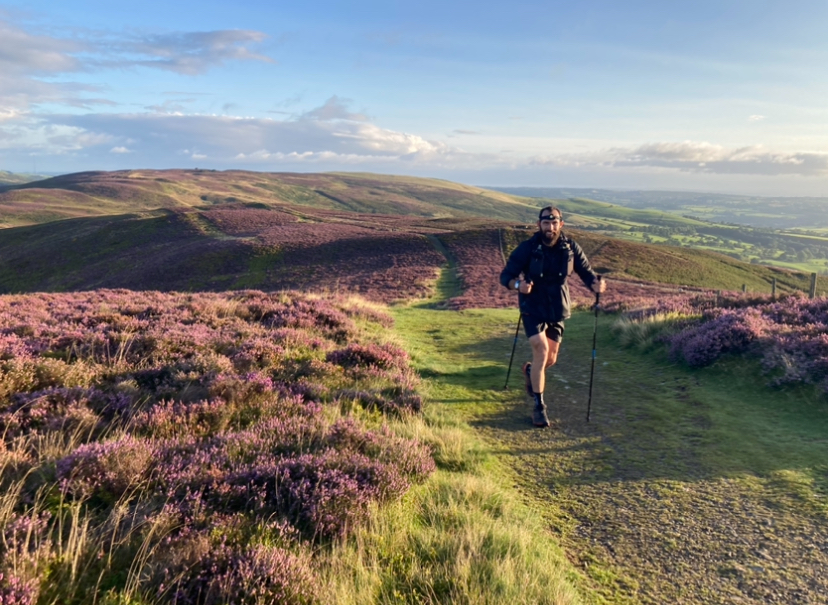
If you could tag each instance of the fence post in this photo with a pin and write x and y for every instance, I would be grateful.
(744, 288)
(812, 293)
(773, 289)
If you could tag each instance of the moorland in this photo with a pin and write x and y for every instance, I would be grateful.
(386, 236)
(278, 388)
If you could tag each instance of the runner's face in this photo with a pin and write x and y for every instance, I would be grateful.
(550, 226)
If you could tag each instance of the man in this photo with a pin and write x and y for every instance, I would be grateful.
(538, 269)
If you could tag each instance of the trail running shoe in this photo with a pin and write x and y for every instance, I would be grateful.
(527, 374)
(539, 417)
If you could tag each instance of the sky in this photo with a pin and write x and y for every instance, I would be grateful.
(723, 96)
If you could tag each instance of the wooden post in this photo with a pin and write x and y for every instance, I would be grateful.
(744, 288)
(813, 285)
(773, 289)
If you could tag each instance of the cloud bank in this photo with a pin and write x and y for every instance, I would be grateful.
(29, 63)
(699, 157)
(37, 73)
(331, 134)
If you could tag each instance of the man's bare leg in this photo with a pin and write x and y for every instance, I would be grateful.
(552, 353)
(544, 355)
(540, 351)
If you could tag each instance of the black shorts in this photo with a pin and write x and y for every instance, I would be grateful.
(532, 325)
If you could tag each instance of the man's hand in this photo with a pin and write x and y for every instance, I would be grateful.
(525, 287)
(599, 285)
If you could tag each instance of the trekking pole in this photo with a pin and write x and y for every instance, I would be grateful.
(514, 344)
(594, 339)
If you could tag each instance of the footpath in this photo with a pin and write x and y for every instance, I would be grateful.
(686, 487)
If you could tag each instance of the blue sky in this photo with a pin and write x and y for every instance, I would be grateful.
(719, 96)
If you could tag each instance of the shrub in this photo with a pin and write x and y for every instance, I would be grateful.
(729, 332)
(255, 575)
(14, 591)
(790, 336)
(384, 357)
(106, 469)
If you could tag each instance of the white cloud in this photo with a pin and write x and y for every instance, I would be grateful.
(8, 113)
(701, 157)
(120, 150)
(171, 106)
(188, 53)
(756, 118)
(29, 62)
(21, 52)
(323, 133)
(333, 109)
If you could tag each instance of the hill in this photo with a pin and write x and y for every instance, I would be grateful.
(17, 178)
(92, 194)
(384, 257)
(121, 192)
(386, 237)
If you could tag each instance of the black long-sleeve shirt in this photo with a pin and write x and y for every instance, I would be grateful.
(548, 268)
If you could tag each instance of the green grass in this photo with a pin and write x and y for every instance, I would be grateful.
(467, 536)
(673, 462)
(621, 213)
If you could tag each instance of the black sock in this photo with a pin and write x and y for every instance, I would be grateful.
(539, 400)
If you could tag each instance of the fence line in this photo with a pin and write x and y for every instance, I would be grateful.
(812, 291)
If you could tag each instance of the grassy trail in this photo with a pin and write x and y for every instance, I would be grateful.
(687, 486)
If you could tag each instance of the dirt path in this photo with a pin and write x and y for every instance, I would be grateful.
(646, 520)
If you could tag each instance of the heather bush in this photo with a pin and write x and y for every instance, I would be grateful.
(61, 409)
(384, 357)
(327, 494)
(142, 419)
(14, 591)
(253, 575)
(171, 419)
(789, 336)
(105, 469)
(726, 332)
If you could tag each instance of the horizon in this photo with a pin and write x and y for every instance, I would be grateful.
(495, 187)
(713, 97)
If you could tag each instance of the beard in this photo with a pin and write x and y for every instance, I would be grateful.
(549, 237)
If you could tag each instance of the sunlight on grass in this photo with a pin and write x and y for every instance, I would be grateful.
(458, 539)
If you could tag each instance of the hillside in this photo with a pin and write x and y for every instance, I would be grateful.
(121, 192)
(384, 257)
(8, 179)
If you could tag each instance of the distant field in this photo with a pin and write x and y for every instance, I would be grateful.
(756, 211)
(18, 178)
(794, 249)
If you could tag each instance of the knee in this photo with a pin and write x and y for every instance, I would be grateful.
(551, 359)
